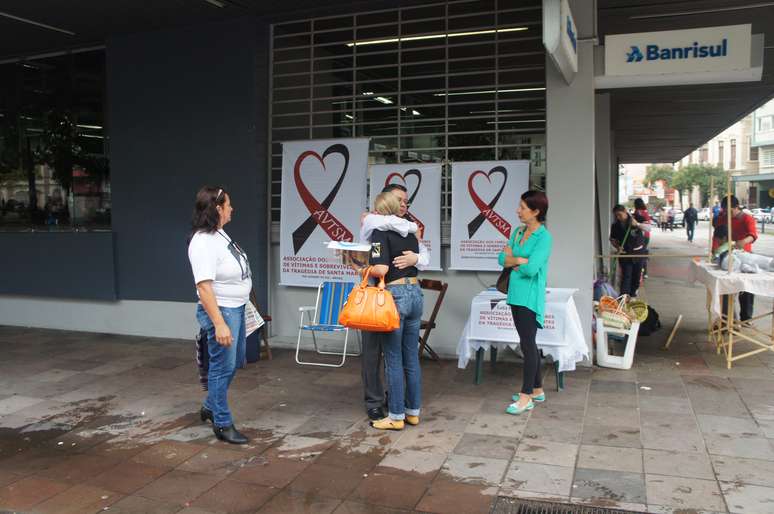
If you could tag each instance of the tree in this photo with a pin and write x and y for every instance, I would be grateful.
(659, 172)
(59, 147)
(701, 175)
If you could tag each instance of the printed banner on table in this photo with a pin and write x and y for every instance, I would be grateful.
(485, 196)
(491, 318)
(424, 195)
(323, 194)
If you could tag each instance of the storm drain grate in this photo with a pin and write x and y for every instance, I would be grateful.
(505, 505)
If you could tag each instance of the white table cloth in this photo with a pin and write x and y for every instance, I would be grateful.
(719, 282)
(490, 322)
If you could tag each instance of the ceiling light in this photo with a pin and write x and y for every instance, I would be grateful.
(95, 127)
(434, 36)
(349, 116)
(514, 121)
(91, 136)
(414, 112)
(758, 5)
(216, 3)
(368, 93)
(383, 100)
(36, 23)
(492, 91)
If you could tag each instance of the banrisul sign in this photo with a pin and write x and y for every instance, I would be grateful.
(711, 49)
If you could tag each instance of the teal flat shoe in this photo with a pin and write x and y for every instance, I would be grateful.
(516, 410)
(539, 398)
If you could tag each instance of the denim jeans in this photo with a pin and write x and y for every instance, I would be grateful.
(223, 360)
(401, 357)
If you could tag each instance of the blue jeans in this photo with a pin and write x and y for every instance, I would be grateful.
(401, 357)
(223, 360)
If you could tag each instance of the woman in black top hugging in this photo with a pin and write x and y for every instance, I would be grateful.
(401, 347)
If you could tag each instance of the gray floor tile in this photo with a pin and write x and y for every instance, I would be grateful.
(610, 435)
(748, 499)
(547, 452)
(609, 485)
(606, 415)
(551, 430)
(684, 493)
(745, 471)
(610, 458)
(738, 446)
(537, 478)
(491, 446)
(680, 464)
(664, 404)
(474, 470)
(503, 424)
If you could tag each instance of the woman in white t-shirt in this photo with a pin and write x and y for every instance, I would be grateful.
(223, 283)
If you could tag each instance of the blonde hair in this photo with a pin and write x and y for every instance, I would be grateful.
(387, 203)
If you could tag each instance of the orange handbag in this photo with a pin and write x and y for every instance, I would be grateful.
(370, 308)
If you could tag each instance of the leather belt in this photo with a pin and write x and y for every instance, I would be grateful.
(403, 281)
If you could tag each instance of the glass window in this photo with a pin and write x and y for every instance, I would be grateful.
(54, 164)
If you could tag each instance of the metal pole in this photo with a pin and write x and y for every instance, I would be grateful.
(711, 219)
(730, 231)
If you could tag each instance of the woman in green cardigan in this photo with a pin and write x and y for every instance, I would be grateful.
(527, 255)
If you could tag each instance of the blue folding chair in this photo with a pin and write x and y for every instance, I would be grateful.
(324, 317)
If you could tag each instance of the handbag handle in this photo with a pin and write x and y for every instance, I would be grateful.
(366, 274)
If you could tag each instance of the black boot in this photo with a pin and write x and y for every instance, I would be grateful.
(229, 434)
(206, 414)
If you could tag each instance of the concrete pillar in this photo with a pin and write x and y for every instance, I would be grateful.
(606, 172)
(570, 179)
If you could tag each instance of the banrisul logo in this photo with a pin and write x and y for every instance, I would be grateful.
(694, 51)
(635, 55)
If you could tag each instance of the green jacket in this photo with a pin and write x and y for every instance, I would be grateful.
(528, 281)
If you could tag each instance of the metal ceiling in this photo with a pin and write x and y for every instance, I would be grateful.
(663, 124)
(654, 124)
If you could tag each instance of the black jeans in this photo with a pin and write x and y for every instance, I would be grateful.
(371, 363)
(526, 325)
(746, 301)
(631, 269)
(689, 228)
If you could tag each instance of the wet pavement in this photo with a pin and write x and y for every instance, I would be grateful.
(101, 423)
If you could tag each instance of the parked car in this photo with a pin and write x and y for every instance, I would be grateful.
(679, 219)
(705, 214)
(761, 215)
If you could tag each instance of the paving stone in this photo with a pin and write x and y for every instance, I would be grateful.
(140, 505)
(610, 458)
(551, 430)
(421, 465)
(497, 424)
(324, 480)
(215, 461)
(740, 446)
(358, 457)
(474, 470)
(625, 401)
(748, 499)
(618, 486)
(24, 493)
(606, 415)
(229, 497)
(352, 507)
(77, 500)
(744, 471)
(288, 502)
(547, 452)
(494, 447)
(727, 425)
(612, 387)
(445, 496)
(128, 477)
(389, 490)
(178, 487)
(79, 468)
(16, 403)
(434, 442)
(680, 464)
(537, 478)
(271, 472)
(611, 435)
(167, 454)
(684, 493)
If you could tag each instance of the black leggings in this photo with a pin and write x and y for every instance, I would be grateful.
(526, 325)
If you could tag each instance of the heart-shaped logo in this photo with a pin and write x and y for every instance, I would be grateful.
(318, 211)
(393, 177)
(486, 210)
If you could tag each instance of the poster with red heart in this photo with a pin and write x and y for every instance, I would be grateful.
(485, 196)
(323, 194)
(423, 184)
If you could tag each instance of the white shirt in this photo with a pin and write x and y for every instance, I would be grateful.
(228, 268)
(397, 224)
